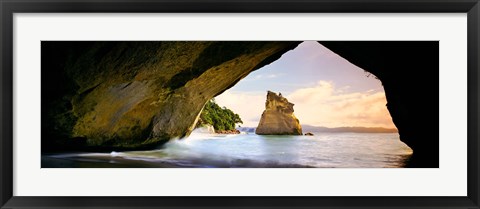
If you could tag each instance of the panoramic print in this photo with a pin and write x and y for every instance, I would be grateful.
(239, 104)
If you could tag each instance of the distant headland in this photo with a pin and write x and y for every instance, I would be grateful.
(322, 129)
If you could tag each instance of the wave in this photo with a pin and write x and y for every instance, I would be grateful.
(125, 160)
(256, 151)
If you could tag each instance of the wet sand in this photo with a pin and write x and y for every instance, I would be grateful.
(50, 161)
(75, 161)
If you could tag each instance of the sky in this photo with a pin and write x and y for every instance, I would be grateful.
(326, 89)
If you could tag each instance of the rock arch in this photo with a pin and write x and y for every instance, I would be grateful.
(138, 95)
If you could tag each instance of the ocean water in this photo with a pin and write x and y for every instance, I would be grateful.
(328, 150)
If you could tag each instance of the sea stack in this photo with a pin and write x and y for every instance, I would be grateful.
(278, 117)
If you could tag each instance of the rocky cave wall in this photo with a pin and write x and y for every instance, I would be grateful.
(138, 95)
(409, 72)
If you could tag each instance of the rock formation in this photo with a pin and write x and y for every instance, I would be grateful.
(228, 132)
(131, 95)
(278, 117)
(205, 129)
(138, 95)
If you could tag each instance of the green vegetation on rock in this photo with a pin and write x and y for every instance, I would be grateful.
(222, 119)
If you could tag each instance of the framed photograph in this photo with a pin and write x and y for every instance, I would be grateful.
(266, 104)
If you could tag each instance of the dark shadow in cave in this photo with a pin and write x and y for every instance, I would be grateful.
(74, 74)
(409, 71)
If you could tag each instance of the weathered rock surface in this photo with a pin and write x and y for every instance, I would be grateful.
(278, 117)
(141, 94)
(135, 95)
(206, 129)
(228, 132)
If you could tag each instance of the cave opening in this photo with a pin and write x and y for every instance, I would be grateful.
(326, 89)
(330, 96)
(128, 95)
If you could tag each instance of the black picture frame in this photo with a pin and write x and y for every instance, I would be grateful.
(9, 7)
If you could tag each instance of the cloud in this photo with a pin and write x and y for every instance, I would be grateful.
(248, 105)
(264, 76)
(325, 105)
(322, 104)
(274, 75)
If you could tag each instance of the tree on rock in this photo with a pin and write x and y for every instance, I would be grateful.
(222, 119)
